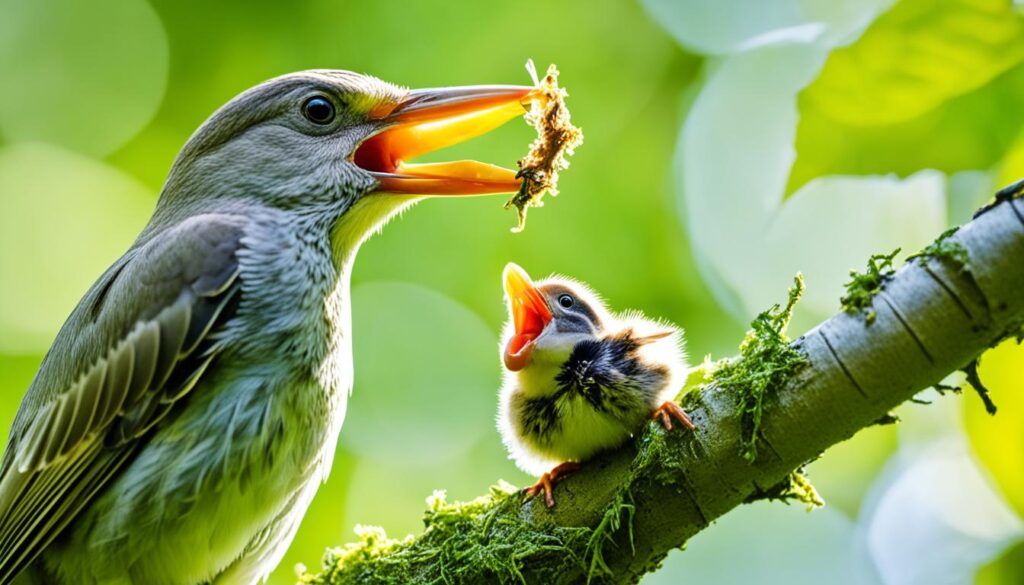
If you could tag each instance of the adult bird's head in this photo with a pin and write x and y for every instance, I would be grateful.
(322, 141)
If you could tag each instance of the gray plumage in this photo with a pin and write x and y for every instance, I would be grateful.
(189, 406)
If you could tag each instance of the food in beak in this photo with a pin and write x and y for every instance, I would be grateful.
(556, 139)
(530, 315)
(431, 119)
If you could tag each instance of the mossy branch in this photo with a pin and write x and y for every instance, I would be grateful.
(622, 513)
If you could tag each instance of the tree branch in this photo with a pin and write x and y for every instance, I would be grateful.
(618, 517)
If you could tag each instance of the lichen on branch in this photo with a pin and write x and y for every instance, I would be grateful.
(945, 248)
(863, 286)
(766, 360)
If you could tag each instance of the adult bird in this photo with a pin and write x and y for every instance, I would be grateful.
(188, 409)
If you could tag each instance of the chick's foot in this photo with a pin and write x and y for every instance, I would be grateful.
(548, 480)
(670, 410)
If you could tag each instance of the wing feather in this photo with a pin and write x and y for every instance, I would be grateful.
(146, 350)
(86, 403)
(59, 428)
(77, 427)
(34, 448)
(122, 371)
(173, 326)
(92, 473)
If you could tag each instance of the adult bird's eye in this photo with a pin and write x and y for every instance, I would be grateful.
(565, 301)
(318, 110)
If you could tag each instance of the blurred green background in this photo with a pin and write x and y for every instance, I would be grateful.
(729, 144)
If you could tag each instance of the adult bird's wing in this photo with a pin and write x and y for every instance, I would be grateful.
(133, 348)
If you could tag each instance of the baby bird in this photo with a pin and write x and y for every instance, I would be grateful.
(579, 379)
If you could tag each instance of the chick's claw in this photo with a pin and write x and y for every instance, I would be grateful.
(547, 481)
(670, 410)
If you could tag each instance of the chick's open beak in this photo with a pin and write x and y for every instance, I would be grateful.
(430, 119)
(530, 315)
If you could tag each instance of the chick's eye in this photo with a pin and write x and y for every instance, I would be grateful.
(565, 301)
(318, 110)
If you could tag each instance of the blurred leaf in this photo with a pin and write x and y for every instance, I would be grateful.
(918, 55)
(969, 132)
(728, 26)
(722, 26)
(84, 75)
(935, 518)
(427, 375)
(749, 240)
(1008, 569)
(849, 219)
(770, 542)
(66, 219)
(998, 440)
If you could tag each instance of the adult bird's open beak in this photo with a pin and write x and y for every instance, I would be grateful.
(430, 119)
(530, 315)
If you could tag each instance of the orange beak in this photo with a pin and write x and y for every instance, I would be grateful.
(530, 315)
(430, 119)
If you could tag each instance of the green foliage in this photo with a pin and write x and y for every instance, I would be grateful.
(863, 287)
(932, 84)
(865, 84)
(766, 359)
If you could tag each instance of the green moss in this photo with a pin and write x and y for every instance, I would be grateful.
(863, 287)
(481, 541)
(795, 487)
(971, 370)
(801, 490)
(622, 506)
(766, 360)
(945, 248)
